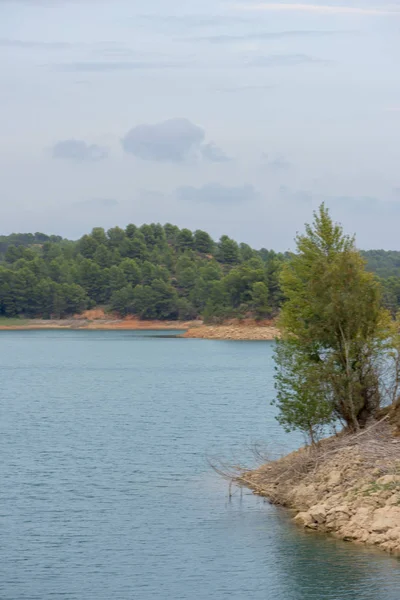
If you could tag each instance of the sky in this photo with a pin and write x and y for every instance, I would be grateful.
(238, 118)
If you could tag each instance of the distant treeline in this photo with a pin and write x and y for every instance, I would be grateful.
(154, 272)
(386, 265)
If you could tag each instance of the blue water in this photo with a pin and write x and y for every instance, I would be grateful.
(105, 487)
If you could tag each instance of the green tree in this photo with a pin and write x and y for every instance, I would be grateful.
(115, 236)
(334, 327)
(87, 246)
(116, 279)
(217, 306)
(137, 247)
(184, 240)
(186, 310)
(43, 298)
(149, 235)
(165, 300)
(131, 270)
(74, 297)
(302, 395)
(94, 280)
(51, 251)
(246, 253)
(228, 250)
(260, 300)
(273, 271)
(131, 230)
(99, 235)
(122, 301)
(171, 233)
(203, 242)
(103, 256)
(156, 301)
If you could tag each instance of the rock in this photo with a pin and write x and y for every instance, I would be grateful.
(391, 546)
(318, 513)
(394, 500)
(376, 539)
(304, 518)
(348, 536)
(394, 534)
(385, 518)
(342, 508)
(334, 478)
(388, 479)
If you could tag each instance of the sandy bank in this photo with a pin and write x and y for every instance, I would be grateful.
(97, 319)
(232, 332)
(348, 486)
(106, 324)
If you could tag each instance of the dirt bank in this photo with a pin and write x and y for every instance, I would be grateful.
(232, 332)
(98, 319)
(106, 324)
(348, 486)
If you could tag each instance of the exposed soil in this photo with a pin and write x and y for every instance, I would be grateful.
(98, 319)
(348, 485)
(233, 332)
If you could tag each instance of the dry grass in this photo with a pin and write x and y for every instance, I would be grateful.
(373, 449)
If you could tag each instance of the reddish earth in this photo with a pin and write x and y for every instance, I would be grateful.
(97, 319)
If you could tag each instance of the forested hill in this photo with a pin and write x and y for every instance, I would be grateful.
(152, 271)
(386, 265)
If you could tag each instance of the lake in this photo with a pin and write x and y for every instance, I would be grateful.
(106, 491)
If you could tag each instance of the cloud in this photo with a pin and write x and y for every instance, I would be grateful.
(97, 203)
(244, 88)
(215, 193)
(284, 60)
(78, 150)
(360, 205)
(324, 9)
(276, 163)
(30, 44)
(296, 197)
(174, 140)
(110, 67)
(213, 153)
(193, 21)
(266, 35)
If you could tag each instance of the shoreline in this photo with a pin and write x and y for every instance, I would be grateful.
(347, 486)
(246, 331)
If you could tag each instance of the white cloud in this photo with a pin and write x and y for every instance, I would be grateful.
(175, 140)
(327, 9)
(78, 150)
(215, 193)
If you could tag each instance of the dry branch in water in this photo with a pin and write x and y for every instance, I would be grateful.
(373, 448)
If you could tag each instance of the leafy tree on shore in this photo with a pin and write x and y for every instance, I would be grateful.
(335, 333)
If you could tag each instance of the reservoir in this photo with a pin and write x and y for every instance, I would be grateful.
(105, 486)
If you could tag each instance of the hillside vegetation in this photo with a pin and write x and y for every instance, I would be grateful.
(152, 271)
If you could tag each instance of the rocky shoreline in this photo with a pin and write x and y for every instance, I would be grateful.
(348, 486)
(232, 332)
(192, 329)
